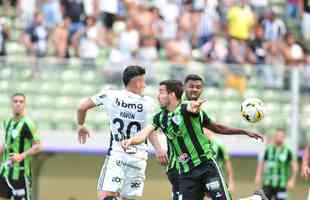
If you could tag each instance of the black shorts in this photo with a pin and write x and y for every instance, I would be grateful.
(275, 193)
(19, 189)
(173, 176)
(204, 179)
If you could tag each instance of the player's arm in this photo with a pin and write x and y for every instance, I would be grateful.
(160, 153)
(294, 171)
(225, 130)
(139, 138)
(84, 106)
(305, 171)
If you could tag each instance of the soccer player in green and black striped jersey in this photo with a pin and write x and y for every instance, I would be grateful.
(20, 143)
(193, 89)
(183, 126)
(278, 168)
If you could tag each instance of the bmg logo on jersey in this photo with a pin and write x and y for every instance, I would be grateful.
(122, 103)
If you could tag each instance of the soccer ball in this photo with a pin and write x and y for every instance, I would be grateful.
(252, 110)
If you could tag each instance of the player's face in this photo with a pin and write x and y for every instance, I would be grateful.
(140, 83)
(163, 96)
(18, 105)
(279, 138)
(193, 89)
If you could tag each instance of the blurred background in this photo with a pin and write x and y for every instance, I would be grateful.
(60, 51)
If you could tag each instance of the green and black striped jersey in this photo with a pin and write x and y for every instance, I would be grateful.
(277, 167)
(185, 137)
(19, 136)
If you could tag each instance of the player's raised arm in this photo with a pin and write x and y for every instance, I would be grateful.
(225, 130)
(84, 106)
(139, 138)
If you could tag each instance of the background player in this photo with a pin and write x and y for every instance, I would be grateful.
(20, 144)
(275, 168)
(123, 173)
(183, 126)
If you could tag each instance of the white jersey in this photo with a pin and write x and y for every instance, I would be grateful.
(127, 113)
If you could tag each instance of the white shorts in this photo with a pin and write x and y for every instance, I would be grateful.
(124, 175)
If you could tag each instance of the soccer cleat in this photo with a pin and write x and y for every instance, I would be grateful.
(261, 194)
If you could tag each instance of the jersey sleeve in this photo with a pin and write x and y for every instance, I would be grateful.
(291, 156)
(30, 131)
(100, 99)
(205, 118)
(156, 120)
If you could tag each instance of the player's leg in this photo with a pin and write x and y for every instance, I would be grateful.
(134, 177)
(111, 179)
(258, 195)
(191, 186)
(214, 182)
(173, 177)
(5, 191)
(281, 194)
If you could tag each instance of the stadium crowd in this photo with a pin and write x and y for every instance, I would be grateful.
(236, 32)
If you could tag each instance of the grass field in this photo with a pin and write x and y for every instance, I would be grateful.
(74, 177)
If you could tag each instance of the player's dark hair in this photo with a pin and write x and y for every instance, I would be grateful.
(131, 72)
(280, 130)
(173, 86)
(18, 94)
(193, 77)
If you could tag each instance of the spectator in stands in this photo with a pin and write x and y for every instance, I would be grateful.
(4, 36)
(108, 12)
(259, 6)
(215, 50)
(89, 38)
(292, 51)
(51, 12)
(147, 50)
(25, 10)
(178, 50)
(60, 39)
(207, 26)
(237, 57)
(35, 37)
(306, 19)
(258, 45)
(273, 26)
(274, 70)
(74, 9)
(240, 21)
(129, 40)
(292, 10)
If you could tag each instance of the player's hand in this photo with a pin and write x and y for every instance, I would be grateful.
(126, 144)
(256, 136)
(83, 134)
(194, 106)
(305, 171)
(291, 184)
(161, 156)
(17, 157)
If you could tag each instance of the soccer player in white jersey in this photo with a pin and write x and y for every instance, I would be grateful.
(123, 173)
